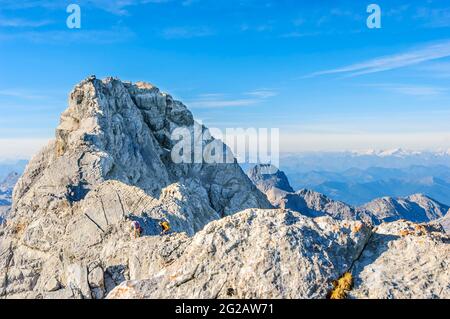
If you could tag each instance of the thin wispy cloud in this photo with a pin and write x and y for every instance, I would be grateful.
(22, 23)
(433, 17)
(211, 95)
(214, 103)
(220, 100)
(22, 94)
(115, 35)
(114, 7)
(187, 3)
(257, 28)
(263, 93)
(120, 7)
(412, 57)
(437, 69)
(297, 34)
(412, 90)
(186, 32)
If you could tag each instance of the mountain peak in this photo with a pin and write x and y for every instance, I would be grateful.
(110, 165)
(266, 176)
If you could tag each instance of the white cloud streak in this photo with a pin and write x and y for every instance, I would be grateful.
(98, 37)
(412, 90)
(111, 6)
(214, 103)
(22, 23)
(220, 100)
(413, 57)
(186, 32)
(22, 94)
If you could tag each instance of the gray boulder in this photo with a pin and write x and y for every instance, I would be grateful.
(404, 260)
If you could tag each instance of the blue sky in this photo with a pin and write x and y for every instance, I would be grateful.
(314, 70)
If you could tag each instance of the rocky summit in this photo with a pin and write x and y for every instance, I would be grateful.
(69, 233)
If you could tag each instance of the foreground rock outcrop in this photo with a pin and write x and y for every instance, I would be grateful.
(68, 234)
(404, 260)
(258, 254)
(283, 254)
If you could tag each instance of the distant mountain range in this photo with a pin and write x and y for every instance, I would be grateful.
(6, 190)
(340, 161)
(417, 208)
(8, 166)
(359, 177)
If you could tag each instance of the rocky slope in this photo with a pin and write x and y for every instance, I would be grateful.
(266, 176)
(314, 204)
(283, 254)
(257, 254)
(69, 229)
(403, 260)
(275, 185)
(271, 181)
(417, 208)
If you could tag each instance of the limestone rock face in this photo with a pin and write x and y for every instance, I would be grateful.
(258, 254)
(68, 235)
(403, 260)
(121, 131)
(271, 181)
(283, 254)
